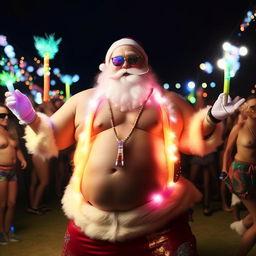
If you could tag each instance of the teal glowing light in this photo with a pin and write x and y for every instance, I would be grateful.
(192, 99)
(66, 79)
(75, 78)
(8, 79)
(166, 86)
(47, 45)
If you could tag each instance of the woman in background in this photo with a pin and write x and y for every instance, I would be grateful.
(9, 154)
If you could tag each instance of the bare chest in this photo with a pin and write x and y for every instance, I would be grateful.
(6, 141)
(148, 120)
(247, 138)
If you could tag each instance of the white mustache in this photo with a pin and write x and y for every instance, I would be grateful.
(130, 71)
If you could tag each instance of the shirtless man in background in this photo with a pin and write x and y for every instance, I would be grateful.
(10, 153)
(126, 196)
(240, 172)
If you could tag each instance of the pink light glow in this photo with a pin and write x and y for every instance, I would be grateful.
(157, 198)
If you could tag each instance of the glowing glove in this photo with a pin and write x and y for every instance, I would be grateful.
(220, 112)
(21, 106)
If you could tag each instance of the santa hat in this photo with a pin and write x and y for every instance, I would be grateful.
(123, 41)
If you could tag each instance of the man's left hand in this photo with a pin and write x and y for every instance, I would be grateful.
(220, 111)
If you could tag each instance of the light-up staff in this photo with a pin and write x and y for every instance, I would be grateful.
(8, 79)
(68, 80)
(230, 64)
(47, 48)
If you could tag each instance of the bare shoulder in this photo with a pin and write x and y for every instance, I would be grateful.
(86, 94)
(172, 95)
(179, 102)
(236, 128)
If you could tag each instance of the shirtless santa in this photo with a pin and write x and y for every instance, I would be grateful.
(126, 195)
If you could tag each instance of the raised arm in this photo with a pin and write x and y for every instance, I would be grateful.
(201, 132)
(44, 135)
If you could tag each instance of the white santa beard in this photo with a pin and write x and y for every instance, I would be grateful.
(126, 93)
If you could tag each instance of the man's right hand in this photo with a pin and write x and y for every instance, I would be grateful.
(21, 106)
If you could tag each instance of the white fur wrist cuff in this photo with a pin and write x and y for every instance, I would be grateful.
(43, 142)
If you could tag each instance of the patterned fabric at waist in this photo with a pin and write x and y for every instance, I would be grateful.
(243, 165)
(6, 167)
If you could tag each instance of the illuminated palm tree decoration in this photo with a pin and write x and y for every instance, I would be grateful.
(8, 79)
(47, 48)
(68, 80)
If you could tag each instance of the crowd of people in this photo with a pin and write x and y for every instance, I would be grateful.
(36, 172)
(127, 188)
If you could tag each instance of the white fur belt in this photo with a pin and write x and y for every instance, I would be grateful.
(120, 226)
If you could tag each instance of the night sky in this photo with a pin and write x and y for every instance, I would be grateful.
(177, 35)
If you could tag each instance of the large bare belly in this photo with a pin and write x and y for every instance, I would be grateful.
(114, 188)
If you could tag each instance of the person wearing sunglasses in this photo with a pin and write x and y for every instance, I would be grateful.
(126, 195)
(10, 154)
(239, 172)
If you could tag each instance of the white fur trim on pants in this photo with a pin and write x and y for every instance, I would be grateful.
(120, 226)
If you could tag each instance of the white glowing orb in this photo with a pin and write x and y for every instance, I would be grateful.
(8, 48)
(177, 85)
(226, 46)
(40, 71)
(38, 98)
(243, 51)
(204, 85)
(3, 40)
(221, 64)
(207, 67)
(191, 85)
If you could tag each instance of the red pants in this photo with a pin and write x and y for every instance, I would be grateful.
(174, 239)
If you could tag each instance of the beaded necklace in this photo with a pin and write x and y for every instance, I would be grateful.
(121, 142)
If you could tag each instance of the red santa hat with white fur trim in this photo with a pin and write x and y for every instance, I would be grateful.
(123, 41)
